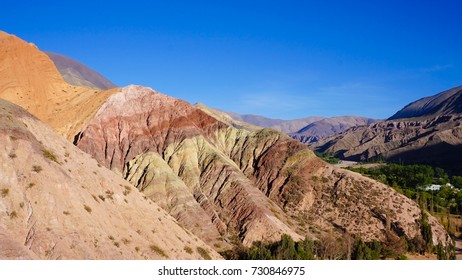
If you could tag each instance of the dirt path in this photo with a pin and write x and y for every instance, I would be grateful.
(459, 249)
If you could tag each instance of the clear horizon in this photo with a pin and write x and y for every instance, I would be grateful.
(278, 59)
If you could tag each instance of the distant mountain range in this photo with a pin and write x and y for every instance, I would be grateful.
(426, 131)
(318, 130)
(306, 130)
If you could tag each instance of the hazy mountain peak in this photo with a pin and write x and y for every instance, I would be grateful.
(78, 74)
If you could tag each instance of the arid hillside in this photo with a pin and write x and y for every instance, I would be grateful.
(29, 78)
(252, 185)
(226, 185)
(56, 202)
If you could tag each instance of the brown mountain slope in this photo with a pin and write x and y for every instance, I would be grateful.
(75, 73)
(320, 129)
(251, 185)
(437, 141)
(56, 202)
(432, 135)
(30, 79)
(448, 102)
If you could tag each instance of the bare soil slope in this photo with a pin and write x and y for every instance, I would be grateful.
(56, 202)
(29, 78)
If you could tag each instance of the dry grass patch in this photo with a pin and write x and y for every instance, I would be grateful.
(87, 208)
(204, 254)
(5, 192)
(155, 249)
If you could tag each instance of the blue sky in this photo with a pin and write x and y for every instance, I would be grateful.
(281, 59)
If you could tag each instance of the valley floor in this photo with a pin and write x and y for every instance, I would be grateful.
(349, 163)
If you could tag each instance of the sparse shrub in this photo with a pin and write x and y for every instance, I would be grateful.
(188, 250)
(127, 190)
(109, 194)
(13, 138)
(30, 185)
(12, 155)
(111, 237)
(21, 204)
(95, 198)
(125, 241)
(5, 192)
(117, 244)
(204, 254)
(87, 208)
(155, 249)
(66, 213)
(137, 249)
(13, 215)
(37, 168)
(49, 155)
(102, 197)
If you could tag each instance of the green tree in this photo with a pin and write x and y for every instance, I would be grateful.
(286, 249)
(259, 252)
(426, 231)
(457, 181)
(304, 249)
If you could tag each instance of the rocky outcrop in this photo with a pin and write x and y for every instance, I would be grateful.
(56, 202)
(253, 185)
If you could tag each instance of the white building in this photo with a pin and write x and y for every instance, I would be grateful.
(433, 188)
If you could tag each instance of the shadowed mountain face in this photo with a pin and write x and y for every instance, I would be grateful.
(444, 103)
(432, 136)
(75, 73)
(224, 183)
